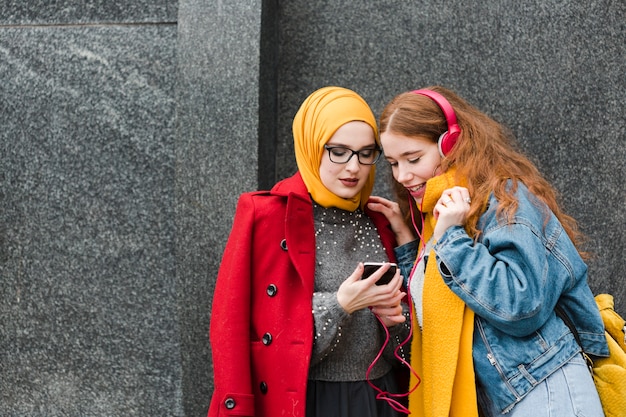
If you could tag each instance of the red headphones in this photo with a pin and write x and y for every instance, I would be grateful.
(448, 139)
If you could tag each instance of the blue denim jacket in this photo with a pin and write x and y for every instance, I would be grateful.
(512, 278)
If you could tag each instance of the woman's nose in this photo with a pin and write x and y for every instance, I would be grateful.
(353, 164)
(404, 175)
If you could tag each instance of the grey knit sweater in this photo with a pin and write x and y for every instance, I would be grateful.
(345, 345)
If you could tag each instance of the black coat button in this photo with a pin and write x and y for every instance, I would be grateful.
(267, 339)
(272, 290)
(229, 403)
(283, 244)
(263, 387)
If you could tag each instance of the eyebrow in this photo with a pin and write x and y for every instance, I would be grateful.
(341, 145)
(408, 153)
(418, 152)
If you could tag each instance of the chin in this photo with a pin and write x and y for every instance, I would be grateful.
(348, 195)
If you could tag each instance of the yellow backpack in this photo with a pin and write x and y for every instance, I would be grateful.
(609, 374)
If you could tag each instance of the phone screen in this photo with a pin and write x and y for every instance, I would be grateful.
(371, 267)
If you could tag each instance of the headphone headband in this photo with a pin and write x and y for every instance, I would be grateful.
(448, 139)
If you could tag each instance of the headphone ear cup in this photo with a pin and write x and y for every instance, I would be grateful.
(448, 139)
(441, 142)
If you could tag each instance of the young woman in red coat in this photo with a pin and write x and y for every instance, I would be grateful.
(295, 330)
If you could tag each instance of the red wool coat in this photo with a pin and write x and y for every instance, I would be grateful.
(261, 322)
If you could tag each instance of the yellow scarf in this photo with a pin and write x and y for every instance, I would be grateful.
(441, 353)
(317, 120)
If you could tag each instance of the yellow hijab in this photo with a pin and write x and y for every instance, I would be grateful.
(319, 117)
(442, 352)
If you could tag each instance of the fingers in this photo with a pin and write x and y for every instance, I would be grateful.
(396, 282)
(357, 292)
(455, 195)
(393, 286)
(357, 273)
(454, 202)
(391, 210)
(390, 316)
(394, 320)
(388, 208)
(377, 199)
(451, 209)
(387, 296)
(395, 310)
(378, 272)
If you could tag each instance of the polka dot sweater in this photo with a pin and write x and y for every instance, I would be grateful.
(345, 345)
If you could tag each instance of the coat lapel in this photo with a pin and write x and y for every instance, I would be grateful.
(300, 235)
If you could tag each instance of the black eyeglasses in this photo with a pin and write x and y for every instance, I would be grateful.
(342, 155)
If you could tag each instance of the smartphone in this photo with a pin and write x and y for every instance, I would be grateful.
(371, 267)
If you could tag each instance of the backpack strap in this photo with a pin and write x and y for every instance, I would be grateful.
(568, 322)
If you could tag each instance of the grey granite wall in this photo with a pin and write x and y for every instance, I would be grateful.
(129, 128)
(216, 160)
(88, 300)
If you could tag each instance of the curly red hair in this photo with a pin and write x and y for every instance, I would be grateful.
(485, 156)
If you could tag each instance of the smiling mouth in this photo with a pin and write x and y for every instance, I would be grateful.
(416, 189)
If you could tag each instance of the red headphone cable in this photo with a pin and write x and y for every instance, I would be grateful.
(384, 395)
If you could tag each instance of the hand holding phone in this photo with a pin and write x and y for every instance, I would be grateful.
(371, 267)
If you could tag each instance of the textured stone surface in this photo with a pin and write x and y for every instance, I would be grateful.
(88, 295)
(20, 12)
(217, 158)
(128, 130)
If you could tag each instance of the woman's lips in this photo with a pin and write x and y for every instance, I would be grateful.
(349, 182)
(417, 191)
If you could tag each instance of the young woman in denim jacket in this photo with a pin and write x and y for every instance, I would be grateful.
(495, 255)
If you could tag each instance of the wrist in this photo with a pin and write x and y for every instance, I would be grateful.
(404, 236)
(344, 304)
